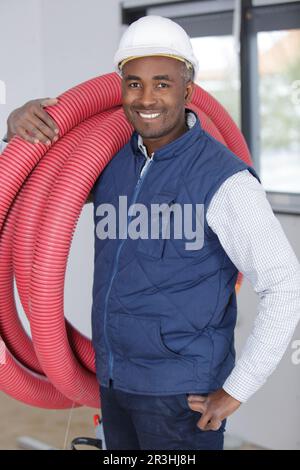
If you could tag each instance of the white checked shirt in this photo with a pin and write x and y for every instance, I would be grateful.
(251, 235)
(241, 216)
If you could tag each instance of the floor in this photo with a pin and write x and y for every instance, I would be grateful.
(53, 427)
(49, 426)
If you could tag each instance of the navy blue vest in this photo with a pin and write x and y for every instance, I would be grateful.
(163, 317)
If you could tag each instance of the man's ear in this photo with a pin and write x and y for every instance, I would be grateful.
(189, 88)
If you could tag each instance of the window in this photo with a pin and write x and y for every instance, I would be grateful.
(279, 72)
(219, 71)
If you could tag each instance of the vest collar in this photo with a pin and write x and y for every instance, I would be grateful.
(174, 148)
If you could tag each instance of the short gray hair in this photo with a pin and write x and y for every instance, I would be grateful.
(187, 72)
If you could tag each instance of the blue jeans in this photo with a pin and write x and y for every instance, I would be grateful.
(134, 422)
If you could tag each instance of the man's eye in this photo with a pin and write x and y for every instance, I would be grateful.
(134, 85)
(163, 85)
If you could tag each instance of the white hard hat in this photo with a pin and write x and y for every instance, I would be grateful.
(152, 36)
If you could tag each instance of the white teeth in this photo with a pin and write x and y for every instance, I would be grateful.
(149, 116)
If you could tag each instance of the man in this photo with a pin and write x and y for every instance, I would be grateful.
(164, 316)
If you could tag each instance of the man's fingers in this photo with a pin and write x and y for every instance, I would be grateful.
(37, 125)
(197, 403)
(198, 406)
(49, 102)
(44, 116)
(202, 423)
(196, 398)
(208, 422)
(23, 134)
(33, 130)
(214, 424)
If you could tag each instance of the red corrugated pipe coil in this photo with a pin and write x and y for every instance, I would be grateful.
(42, 194)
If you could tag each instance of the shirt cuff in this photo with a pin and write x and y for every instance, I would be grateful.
(241, 385)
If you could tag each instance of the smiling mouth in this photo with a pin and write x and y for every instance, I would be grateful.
(149, 116)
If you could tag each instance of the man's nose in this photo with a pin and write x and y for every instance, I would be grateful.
(147, 98)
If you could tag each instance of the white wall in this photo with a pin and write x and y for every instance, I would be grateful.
(48, 46)
(21, 53)
(80, 38)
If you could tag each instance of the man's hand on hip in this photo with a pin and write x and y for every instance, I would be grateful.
(214, 408)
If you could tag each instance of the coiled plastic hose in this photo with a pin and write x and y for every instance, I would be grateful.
(42, 194)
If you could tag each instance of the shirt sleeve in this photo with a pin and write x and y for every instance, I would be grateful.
(254, 240)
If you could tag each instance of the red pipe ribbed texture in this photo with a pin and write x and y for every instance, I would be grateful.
(42, 194)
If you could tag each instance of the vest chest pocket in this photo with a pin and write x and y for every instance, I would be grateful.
(159, 214)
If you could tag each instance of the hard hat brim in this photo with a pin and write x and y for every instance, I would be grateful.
(134, 53)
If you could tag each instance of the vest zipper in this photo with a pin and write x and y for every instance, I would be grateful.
(135, 195)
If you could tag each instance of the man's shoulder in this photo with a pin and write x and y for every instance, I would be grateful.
(116, 161)
(217, 148)
(124, 151)
(210, 156)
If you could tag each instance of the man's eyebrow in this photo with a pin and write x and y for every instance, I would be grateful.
(132, 77)
(156, 77)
